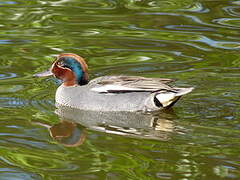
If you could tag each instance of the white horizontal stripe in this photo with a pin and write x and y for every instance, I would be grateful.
(107, 88)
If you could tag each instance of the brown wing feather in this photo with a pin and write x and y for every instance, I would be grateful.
(145, 84)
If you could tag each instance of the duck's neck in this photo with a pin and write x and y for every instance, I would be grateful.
(70, 83)
(74, 82)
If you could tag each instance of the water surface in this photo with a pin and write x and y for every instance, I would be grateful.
(196, 42)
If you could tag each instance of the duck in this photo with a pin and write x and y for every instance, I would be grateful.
(109, 93)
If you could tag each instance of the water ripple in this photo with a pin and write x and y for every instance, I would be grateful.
(219, 44)
(229, 22)
(7, 76)
(232, 10)
(196, 8)
(91, 5)
(155, 5)
(7, 2)
(42, 101)
(188, 28)
(12, 102)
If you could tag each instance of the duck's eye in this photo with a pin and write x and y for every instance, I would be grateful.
(61, 63)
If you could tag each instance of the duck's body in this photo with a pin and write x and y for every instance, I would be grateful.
(111, 93)
(82, 97)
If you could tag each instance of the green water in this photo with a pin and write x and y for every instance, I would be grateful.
(196, 42)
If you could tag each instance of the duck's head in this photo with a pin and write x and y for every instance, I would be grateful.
(70, 68)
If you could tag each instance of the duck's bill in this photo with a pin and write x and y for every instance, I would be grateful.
(43, 74)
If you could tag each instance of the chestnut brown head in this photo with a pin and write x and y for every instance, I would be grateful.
(70, 68)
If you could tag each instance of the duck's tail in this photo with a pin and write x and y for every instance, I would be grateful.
(169, 98)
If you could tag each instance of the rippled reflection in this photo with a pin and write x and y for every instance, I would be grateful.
(71, 131)
(121, 123)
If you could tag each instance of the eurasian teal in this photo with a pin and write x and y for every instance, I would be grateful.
(109, 93)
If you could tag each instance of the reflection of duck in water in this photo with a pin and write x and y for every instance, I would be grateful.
(67, 133)
(110, 93)
(71, 131)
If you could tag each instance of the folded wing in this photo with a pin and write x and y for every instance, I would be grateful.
(117, 84)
